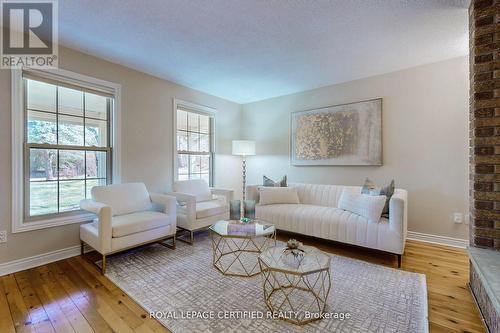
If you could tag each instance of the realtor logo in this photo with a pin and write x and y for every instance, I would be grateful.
(29, 34)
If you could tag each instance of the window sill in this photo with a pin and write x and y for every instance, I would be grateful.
(24, 226)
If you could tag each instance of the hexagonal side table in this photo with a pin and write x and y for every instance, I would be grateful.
(299, 289)
(236, 246)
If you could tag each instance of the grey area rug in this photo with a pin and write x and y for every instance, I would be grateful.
(178, 282)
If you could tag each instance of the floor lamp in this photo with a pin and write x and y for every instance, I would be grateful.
(244, 148)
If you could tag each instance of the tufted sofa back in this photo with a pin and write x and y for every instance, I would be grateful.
(321, 194)
(311, 194)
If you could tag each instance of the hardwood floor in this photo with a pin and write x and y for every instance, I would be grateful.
(71, 295)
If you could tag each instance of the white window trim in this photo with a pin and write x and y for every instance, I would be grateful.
(18, 223)
(197, 108)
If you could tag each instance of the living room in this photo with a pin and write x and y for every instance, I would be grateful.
(249, 166)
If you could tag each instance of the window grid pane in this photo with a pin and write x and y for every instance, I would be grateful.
(60, 177)
(194, 146)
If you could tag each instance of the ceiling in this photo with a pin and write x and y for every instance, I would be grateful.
(249, 50)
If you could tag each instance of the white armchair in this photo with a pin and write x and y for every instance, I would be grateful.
(127, 216)
(199, 205)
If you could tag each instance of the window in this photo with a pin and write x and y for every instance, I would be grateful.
(67, 147)
(63, 145)
(194, 144)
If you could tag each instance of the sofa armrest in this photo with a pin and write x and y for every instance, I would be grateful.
(398, 212)
(167, 205)
(190, 202)
(227, 194)
(104, 220)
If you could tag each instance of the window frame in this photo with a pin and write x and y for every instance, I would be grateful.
(20, 221)
(202, 110)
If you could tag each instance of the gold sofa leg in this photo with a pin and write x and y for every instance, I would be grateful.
(103, 267)
(82, 246)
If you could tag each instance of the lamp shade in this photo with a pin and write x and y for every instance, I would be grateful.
(243, 147)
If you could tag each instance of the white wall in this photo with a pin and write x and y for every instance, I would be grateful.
(147, 148)
(425, 139)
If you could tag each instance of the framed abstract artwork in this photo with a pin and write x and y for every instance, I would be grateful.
(347, 134)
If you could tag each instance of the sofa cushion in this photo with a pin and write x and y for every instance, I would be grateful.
(268, 182)
(278, 195)
(197, 187)
(370, 188)
(210, 208)
(128, 224)
(368, 206)
(123, 198)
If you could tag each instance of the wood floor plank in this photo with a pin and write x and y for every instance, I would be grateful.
(38, 279)
(18, 310)
(6, 324)
(56, 294)
(83, 297)
(38, 315)
(108, 301)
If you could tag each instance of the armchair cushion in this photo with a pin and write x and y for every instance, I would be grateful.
(210, 208)
(123, 198)
(197, 187)
(128, 224)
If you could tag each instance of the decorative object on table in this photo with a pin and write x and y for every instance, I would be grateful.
(241, 228)
(236, 246)
(301, 288)
(268, 182)
(347, 134)
(244, 148)
(235, 210)
(370, 188)
(249, 209)
(294, 249)
(245, 220)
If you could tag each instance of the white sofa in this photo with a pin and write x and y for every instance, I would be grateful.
(317, 215)
(127, 216)
(199, 205)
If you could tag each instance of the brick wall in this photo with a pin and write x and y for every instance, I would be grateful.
(484, 29)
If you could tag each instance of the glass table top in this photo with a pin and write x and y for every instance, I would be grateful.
(313, 260)
(235, 228)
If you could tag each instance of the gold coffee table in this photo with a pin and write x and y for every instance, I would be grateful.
(299, 288)
(236, 246)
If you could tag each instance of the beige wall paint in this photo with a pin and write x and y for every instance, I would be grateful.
(147, 150)
(425, 139)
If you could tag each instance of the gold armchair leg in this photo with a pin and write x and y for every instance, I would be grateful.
(190, 240)
(172, 246)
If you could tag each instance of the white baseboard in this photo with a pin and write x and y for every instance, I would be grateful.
(38, 260)
(436, 239)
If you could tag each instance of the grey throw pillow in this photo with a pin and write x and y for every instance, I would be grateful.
(370, 188)
(268, 182)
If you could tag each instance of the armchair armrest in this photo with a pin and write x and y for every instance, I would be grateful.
(167, 204)
(104, 219)
(189, 200)
(92, 206)
(228, 194)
